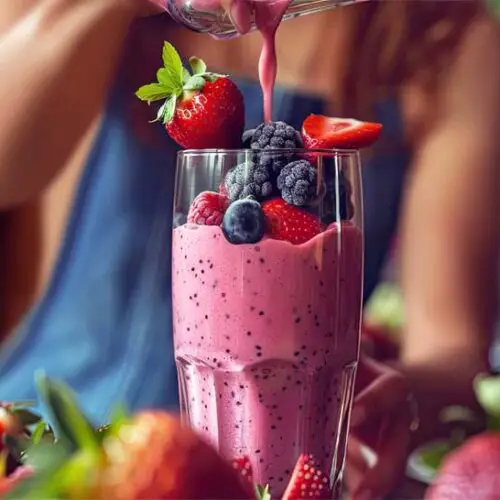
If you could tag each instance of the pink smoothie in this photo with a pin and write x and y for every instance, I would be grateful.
(266, 341)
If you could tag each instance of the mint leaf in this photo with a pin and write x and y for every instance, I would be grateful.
(173, 64)
(263, 493)
(195, 83)
(198, 66)
(153, 92)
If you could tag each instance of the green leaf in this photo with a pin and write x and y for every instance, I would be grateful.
(186, 75)
(263, 493)
(45, 456)
(168, 110)
(70, 423)
(195, 83)
(198, 66)
(487, 389)
(153, 92)
(433, 456)
(38, 432)
(173, 64)
(165, 80)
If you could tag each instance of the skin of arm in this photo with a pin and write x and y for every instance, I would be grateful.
(450, 233)
(57, 58)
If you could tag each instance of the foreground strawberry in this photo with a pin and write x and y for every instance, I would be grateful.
(147, 456)
(323, 132)
(289, 223)
(201, 109)
(307, 481)
(207, 209)
(472, 471)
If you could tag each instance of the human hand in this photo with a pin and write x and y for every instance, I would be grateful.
(381, 420)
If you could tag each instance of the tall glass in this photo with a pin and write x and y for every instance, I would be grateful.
(267, 331)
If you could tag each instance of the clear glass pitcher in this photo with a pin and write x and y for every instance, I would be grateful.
(230, 18)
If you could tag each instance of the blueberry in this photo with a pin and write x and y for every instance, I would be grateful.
(243, 222)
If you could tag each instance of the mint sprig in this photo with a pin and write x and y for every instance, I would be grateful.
(175, 82)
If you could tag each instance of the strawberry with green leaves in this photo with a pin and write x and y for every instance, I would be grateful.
(200, 109)
(149, 455)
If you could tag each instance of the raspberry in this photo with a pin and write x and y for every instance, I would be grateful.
(207, 209)
(297, 182)
(248, 179)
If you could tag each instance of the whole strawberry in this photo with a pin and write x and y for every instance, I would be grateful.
(289, 223)
(201, 110)
(470, 472)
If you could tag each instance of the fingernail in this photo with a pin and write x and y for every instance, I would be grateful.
(357, 416)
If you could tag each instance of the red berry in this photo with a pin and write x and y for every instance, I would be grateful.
(323, 132)
(289, 223)
(212, 117)
(244, 467)
(307, 481)
(207, 209)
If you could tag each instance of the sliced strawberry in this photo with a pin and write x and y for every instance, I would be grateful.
(323, 132)
(200, 109)
(244, 467)
(207, 209)
(307, 481)
(289, 223)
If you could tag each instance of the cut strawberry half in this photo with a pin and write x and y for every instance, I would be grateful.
(307, 481)
(323, 132)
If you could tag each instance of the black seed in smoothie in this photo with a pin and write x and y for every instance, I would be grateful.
(297, 320)
(227, 316)
(249, 261)
(226, 384)
(301, 407)
(192, 269)
(252, 308)
(233, 394)
(228, 351)
(238, 403)
(211, 266)
(259, 354)
(258, 347)
(261, 313)
(249, 333)
(257, 248)
(261, 460)
(262, 260)
(257, 451)
(223, 295)
(203, 271)
(242, 386)
(296, 353)
(304, 347)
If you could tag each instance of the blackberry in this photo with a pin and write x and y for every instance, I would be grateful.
(329, 204)
(276, 135)
(248, 179)
(297, 182)
(247, 137)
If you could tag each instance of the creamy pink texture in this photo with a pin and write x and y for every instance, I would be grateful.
(266, 341)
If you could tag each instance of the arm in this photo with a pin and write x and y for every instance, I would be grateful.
(59, 58)
(450, 232)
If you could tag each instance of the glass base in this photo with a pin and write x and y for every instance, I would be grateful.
(271, 412)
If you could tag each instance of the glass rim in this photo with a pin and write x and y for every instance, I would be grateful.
(299, 151)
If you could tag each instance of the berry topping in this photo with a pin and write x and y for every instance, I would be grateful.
(322, 132)
(289, 223)
(244, 467)
(207, 209)
(297, 182)
(243, 222)
(275, 135)
(248, 179)
(307, 481)
(200, 109)
(328, 207)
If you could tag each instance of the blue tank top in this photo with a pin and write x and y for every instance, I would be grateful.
(104, 324)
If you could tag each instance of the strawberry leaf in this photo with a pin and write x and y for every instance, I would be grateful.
(198, 66)
(169, 110)
(263, 493)
(165, 79)
(195, 83)
(173, 64)
(70, 423)
(153, 92)
(186, 75)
